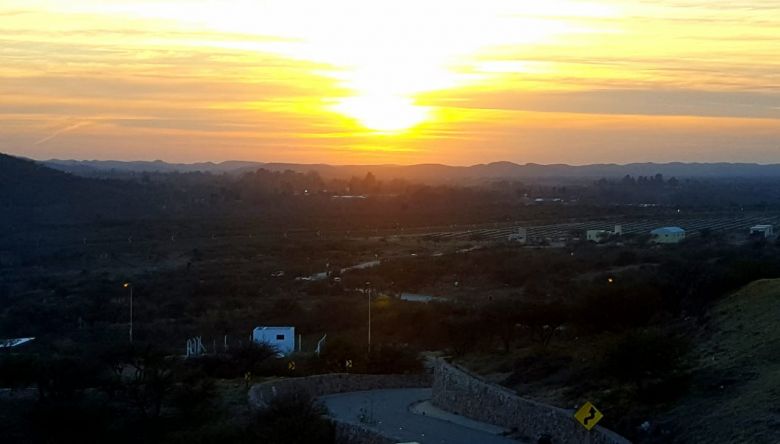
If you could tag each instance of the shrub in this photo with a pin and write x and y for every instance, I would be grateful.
(394, 359)
(646, 355)
(251, 357)
(294, 419)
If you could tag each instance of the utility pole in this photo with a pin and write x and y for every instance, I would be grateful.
(130, 286)
(368, 292)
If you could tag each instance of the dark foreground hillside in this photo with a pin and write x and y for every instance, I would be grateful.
(31, 193)
(735, 392)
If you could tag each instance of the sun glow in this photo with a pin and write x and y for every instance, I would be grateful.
(395, 81)
(385, 114)
(384, 53)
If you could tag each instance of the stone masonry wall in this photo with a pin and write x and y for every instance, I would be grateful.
(347, 433)
(320, 385)
(458, 391)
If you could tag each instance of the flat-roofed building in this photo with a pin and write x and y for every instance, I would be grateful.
(282, 339)
(668, 235)
(765, 231)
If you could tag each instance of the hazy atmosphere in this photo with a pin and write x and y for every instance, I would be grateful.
(389, 221)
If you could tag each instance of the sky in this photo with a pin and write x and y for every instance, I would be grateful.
(391, 81)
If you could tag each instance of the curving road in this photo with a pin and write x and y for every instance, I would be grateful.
(390, 413)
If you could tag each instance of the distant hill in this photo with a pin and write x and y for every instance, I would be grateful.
(438, 173)
(156, 166)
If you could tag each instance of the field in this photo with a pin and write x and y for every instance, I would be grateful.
(693, 224)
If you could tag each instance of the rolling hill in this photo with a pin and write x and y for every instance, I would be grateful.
(438, 173)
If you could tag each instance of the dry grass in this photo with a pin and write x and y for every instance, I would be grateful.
(735, 396)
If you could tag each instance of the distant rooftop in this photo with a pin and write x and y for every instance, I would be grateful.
(14, 342)
(668, 230)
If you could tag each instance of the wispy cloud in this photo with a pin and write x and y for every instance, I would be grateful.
(62, 130)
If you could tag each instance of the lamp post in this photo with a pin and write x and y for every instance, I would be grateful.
(130, 286)
(368, 292)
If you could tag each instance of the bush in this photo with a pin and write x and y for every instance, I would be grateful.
(645, 355)
(394, 359)
(294, 419)
(460, 332)
(626, 257)
(253, 358)
(194, 397)
(17, 370)
(64, 378)
(618, 306)
(334, 356)
(67, 421)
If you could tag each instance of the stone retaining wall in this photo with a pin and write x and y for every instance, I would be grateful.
(347, 433)
(320, 385)
(460, 392)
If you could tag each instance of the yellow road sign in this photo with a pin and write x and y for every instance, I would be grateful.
(588, 415)
(291, 365)
(348, 364)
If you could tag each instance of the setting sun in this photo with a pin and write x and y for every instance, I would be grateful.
(385, 114)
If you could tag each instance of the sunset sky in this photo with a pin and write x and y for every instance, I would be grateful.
(391, 81)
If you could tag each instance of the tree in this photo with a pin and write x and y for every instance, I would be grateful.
(142, 376)
(543, 319)
(501, 317)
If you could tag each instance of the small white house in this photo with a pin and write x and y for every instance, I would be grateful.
(668, 235)
(765, 231)
(597, 236)
(280, 338)
(520, 236)
(600, 236)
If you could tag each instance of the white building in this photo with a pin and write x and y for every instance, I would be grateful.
(14, 342)
(600, 236)
(424, 298)
(597, 236)
(521, 236)
(667, 235)
(280, 338)
(765, 231)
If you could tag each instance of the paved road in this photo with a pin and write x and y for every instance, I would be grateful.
(392, 417)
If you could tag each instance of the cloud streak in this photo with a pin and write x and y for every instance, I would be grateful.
(62, 130)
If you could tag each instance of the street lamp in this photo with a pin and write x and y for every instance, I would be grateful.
(129, 286)
(368, 292)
